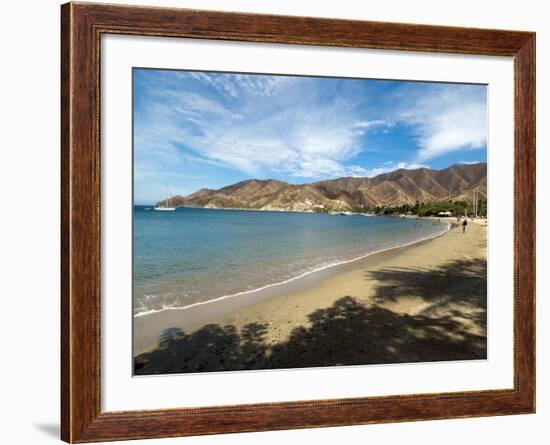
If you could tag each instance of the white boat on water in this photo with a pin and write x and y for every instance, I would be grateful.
(167, 207)
(341, 213)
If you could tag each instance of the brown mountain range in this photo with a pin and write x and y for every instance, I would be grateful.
(386, 190)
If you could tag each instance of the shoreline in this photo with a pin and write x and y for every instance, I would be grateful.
(275, 210)
(298, 277)
(149, 328)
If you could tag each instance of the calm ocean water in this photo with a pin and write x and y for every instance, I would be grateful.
(195, 255)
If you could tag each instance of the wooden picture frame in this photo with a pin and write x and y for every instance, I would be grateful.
(82, 25)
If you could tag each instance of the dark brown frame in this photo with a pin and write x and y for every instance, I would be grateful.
(82, 25)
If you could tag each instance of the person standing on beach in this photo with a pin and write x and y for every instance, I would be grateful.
(464, 224)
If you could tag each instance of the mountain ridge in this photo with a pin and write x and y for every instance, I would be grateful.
(399, 187)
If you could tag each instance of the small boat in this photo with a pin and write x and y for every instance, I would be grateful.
(341, 213)
(166, 207)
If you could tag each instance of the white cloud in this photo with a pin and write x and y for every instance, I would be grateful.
(468, 162)
(299, 148)
(266, 135)
(221, 83)
(374, 123)
(387, 167)
(189, 104)
(311, 169)
(315, 167)
(262, 85)
(235, 85)
(365, 126)
(447, 120)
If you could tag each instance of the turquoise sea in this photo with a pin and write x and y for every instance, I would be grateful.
(195, 255)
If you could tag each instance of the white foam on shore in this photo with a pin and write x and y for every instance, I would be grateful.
(280, 283)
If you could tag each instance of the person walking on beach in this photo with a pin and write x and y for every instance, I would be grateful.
(464, 224)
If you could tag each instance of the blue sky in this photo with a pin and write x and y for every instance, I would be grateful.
(205, 129)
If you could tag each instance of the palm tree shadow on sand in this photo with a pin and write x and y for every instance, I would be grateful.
(451, 326)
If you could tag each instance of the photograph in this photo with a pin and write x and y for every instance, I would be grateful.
(273, 220)
(291, 221)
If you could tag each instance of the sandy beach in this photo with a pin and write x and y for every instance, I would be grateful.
(425, 302)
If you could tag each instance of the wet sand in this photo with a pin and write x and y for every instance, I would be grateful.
(425, 302)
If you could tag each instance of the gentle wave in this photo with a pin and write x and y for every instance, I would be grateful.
(267, 286)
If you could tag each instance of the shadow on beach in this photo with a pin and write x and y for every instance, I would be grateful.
(451, 326)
